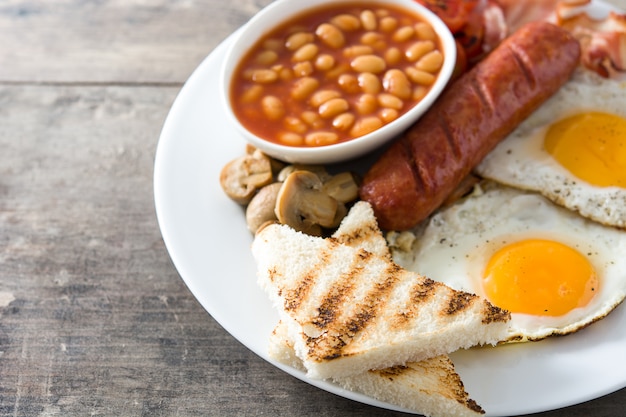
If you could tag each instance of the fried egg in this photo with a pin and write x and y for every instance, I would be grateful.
(572, 150)
(555, 271)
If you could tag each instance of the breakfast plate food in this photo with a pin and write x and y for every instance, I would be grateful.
(208, 240)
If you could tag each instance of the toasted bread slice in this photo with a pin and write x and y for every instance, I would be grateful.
(430, 387)
(359, 229)
(350, 311)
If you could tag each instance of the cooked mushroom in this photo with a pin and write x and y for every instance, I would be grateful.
(319, 170)
(242, 177)
(261, 207)
(276, 164)
(341, 212)
(303, 205)
(342, 187)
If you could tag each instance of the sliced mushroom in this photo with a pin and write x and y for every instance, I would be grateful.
(242, 177)
(319, 170)
(343, 187)
(275, 163)
(261, 207)
(342, 211)
(303, 205)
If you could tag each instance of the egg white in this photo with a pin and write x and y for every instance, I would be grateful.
(521, 160)
(456, 244)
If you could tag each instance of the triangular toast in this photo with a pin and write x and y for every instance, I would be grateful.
(350, 310)
(430, 387)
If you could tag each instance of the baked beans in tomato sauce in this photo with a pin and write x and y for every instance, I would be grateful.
(335, 73)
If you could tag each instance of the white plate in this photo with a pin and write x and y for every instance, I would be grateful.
(207, 239)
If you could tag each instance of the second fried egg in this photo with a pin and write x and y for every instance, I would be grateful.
(572, 150)
(556, 272)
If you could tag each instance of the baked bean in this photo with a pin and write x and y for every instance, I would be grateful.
(306, 52)
(390, 101)
(252, 94)
(431, 62)
(322, 96)
(291, 139)
(344, 121)
(312, 119)
(302, 27)
(298, 40)
(388, 24)
(346, 22)
(294, 124)
(393, 56)
(331, 35)
(272, 107)
(357, 50)
(264, 76)
(369, 20)
(397, 83)
(284, 73)
(404, 34)
(425, 31)
(324, 62)
(304, 87)
(381, 12)
(357, 70)
(419, 92)
(273, 44)
(369, 83)
(365, 125)
(366, 104)
(419, 76)
(368, 63)
(321, 138)
(337, 71)
(333, 107)
(348, 83)
(389, 115)
(266, 57)
(418, 49)
(371, 38)
(303, 69)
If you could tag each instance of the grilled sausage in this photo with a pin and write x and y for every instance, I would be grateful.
(416, 174)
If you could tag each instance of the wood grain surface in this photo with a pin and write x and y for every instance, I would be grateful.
(94, 319)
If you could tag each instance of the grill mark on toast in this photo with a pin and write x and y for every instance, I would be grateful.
(458, 302)
(392, 373)
(493, 314)
(331, 344)
(439, 367)
(444, 367)
(420, 293)
(293, 298)
(364, 233)
(331, 305)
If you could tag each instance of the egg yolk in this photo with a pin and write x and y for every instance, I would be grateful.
(592, 146)
(539, 277)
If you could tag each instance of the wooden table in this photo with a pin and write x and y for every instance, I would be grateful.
(94, 319)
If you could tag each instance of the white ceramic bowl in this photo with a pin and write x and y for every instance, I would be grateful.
(281, 11)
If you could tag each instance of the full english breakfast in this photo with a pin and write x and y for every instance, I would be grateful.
(529, 139)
